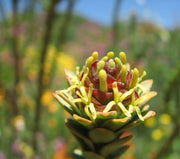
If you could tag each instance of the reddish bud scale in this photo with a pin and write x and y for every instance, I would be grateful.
(99, 98)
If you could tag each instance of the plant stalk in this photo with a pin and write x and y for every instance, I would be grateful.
(46, 39)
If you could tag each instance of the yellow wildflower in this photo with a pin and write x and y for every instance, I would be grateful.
(165, 119)
(53, 107)
(28, 151)
(19, 123)
(46, 98)
(65, 61)
(157, 134)
(151, 122)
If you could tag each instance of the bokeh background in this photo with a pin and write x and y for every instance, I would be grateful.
(39, 38)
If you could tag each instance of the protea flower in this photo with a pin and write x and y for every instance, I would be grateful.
(106, 98)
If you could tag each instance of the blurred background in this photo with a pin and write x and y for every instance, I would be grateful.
(39, 38)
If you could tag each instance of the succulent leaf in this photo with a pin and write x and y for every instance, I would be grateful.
(118, 152)
(83, 121)
(92, 155)
(115, 124)
(103, 117)
(101, 135)
(80, 135)
(113, 146)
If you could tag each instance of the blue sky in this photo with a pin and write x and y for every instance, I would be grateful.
(164, 12)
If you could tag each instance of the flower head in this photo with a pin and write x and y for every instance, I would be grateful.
(106, 86)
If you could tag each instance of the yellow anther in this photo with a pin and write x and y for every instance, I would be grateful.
(95, 55)
(83, 70)
(141, 77)
(135, 77)
(77, 71)
(103, 80)
(85, 76)
(114, 84)
(110, 55)
(92, 110)
(116, 92)
(123, 73)
(79, 94)
(105, 58)
(124, 110)
(118, 62)
(133, 98)
(109, 106)
(112, 64)
(122, 56)
(83, 91)
(138, 111)
(100, 65)
(89, 61)
(90, 92)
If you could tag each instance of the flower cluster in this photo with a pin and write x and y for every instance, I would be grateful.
(106, 98)
(106, 85)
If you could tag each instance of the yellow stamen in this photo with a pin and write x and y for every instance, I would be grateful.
(116, 92)
(112, 64)
(90, 92)
(93, 110)
(124, 110)
(109, 106)
(100, 65)
(135, 76)
(105, 58)
(122, 56)
(85, 76)
(123, 73)
(103, 80)
(138, 111)
(141, 77)
(125, 95)
(95, 55)
(110, 55)
(133, 98)
(86, 108)
(118, 62)
(77, 71)
(89, 61)
(83, 91)
(79, 94)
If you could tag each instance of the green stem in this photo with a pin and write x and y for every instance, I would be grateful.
(164, 149)
(16, 55)
(62, 35)
(46, 39)
(115, 27)
(168, 143)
